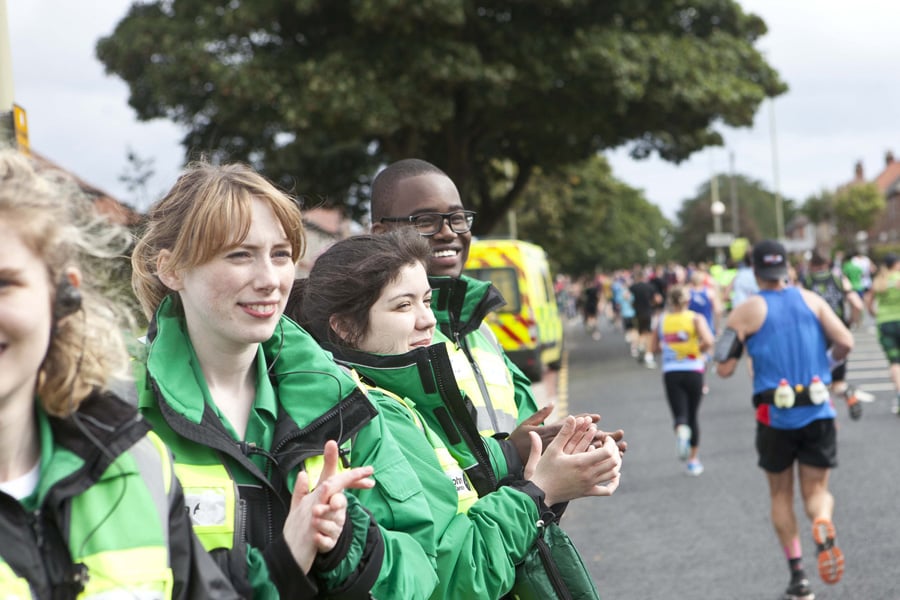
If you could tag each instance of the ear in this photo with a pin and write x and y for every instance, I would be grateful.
(74, 276)
(68, 299)
(378, 227)
(337, 325)
(171, 279)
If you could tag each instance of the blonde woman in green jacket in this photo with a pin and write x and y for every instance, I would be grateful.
(89, 506)
(368, 300)
(249, 404)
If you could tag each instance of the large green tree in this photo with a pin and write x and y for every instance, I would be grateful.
(856, 208)
(318, 93)
(850, 210)
(756, 212)
(587, 220)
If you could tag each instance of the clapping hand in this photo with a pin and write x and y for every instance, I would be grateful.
(317, 516)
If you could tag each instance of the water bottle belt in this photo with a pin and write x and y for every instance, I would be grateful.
(768, 397)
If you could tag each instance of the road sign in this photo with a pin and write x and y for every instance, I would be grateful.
(20, 124)
(719, 240)
(801, 245)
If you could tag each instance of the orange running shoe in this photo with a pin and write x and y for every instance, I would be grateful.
(831, 559)
(854, 406)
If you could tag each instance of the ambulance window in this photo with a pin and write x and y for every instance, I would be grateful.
(504, 279)
(549, 293)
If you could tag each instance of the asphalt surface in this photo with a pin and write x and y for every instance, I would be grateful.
(665, 534)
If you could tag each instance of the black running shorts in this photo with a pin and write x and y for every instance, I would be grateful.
(644, 322)
(814, 445)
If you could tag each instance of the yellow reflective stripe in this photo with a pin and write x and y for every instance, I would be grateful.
(164, 459)
(13, 587)
(209, 495)
(498, 382)
(465, 491)
(362, 385)
(141, 573)
(314, 467)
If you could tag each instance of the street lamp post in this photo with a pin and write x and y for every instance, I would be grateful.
(779, 204)
(717, 209)
(734, 199)
(7, 132)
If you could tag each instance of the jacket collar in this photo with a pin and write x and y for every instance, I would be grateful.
(311, 392)
(460, 304)
(183, 386)
(113, 427)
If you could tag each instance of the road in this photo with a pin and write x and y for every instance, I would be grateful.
(665, 534)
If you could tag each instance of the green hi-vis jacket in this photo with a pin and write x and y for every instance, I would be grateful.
(425, 375)
(107, 518)
(238, 491)
(499, 391)
(480, 540)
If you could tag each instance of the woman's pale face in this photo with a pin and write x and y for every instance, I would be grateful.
(236, 299)
(25, 317)
(401, 319)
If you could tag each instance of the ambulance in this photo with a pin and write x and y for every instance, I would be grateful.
(529, 327)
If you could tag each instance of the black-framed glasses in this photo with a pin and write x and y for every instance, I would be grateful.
(426, 224)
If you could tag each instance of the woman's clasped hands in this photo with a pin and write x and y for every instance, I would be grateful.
(573, 466)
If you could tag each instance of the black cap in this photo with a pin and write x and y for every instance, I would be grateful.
(769, 260)
(890, 259)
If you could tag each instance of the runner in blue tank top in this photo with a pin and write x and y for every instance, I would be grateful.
(704, 299)
(785, 331)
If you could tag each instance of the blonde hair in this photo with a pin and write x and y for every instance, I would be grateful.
(59, 225)
(208, 210)
(678, 296)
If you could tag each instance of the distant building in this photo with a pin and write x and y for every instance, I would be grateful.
(800, 234)
(887, 228)
(117, 212)
(324, 227)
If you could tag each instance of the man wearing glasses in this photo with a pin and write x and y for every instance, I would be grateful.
(415, 193)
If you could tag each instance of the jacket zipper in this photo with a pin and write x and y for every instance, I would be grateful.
(476, 448)
(37, 528)
(232, 449)
(461, 342)
(319, 422)
(241, 534)
(556, 580)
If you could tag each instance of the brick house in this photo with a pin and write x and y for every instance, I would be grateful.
(324, 227)
(886, 229)
(117, 212)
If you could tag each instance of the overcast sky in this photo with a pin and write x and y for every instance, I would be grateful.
(839, 59)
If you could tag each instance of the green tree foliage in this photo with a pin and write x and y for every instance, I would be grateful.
(318, 93)
(820, 207)
(756, 217)
(587, 220)
(856, 207)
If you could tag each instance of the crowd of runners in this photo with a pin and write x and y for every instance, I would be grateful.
(793, 321)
